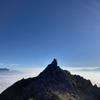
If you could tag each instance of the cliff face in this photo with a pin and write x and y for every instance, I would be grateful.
(52, 84)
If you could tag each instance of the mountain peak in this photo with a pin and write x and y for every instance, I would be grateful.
(51, 69)
(54, 62)
(53, 83)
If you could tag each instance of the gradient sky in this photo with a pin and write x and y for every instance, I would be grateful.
(33, 32)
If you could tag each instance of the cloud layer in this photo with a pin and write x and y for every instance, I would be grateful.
(8, 80)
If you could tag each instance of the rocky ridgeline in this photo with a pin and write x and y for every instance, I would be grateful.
(52, 84)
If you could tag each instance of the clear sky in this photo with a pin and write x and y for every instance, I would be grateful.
(33, 32)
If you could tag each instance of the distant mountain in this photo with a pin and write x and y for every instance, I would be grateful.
(6, 71)
(90, 70)
(52, 84)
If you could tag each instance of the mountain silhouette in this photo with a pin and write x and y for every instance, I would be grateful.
(53, 83)
(89, 70)
(6, 71)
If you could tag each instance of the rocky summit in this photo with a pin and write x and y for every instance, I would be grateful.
(53, 83)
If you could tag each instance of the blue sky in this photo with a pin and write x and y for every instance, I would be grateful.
(33, 32)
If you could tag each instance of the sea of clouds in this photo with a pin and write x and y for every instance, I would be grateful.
(8, 80)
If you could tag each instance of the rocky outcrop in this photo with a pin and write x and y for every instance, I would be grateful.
(52, 84)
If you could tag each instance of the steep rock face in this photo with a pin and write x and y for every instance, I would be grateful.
(52, 84)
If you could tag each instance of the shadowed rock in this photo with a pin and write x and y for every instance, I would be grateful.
(54, 62)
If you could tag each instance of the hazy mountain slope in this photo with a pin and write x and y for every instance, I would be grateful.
(52, 84)
(89, 70)
(6, 71)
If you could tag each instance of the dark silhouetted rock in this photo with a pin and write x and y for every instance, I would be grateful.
(54, 63)
(52, 84)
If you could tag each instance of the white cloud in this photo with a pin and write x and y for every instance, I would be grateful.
(7, 80)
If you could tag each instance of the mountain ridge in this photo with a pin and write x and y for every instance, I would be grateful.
(90, 70)
(52, 84)
(4, 69)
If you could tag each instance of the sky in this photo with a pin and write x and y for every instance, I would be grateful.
(33, 32)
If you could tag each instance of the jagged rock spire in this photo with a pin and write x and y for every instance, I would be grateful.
(54, 62)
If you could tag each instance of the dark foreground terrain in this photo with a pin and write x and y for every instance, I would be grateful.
(52, 84)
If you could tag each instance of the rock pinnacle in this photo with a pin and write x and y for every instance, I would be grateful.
(54, 62)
